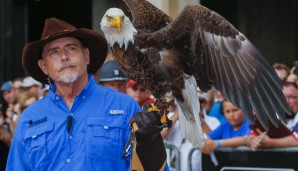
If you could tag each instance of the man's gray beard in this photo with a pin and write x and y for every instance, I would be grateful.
(69, 77)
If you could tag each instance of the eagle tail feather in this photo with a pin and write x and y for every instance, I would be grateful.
(188, 110)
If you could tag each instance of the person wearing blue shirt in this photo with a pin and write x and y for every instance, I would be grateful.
(234, 132)
(79, 125)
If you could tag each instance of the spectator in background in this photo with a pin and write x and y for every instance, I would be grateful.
(111, 76)
(232, 133)
(16, 84)
(25, 100)
(215, 108)
(288, 141)
(5, 133)
(290, 90)
(281, 70)
(274, 137)
(32, 86)
(139, 92)
(8, 93)
(44, 91)
(7, 107)
(10, 101)
(209, 123)
(173, 135)
(292, 76)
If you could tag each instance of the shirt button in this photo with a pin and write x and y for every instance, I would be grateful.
(84, 97)
(71, 114)
(57, 98)
(70, 137)
(68, 160)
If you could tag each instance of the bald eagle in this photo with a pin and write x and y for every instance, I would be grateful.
(199, 48)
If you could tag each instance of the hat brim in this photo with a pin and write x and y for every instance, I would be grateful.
(97, 45)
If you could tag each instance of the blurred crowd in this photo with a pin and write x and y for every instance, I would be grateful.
(16, 95)
(223, 123)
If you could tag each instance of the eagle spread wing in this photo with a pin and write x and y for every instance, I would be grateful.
(199, 48)
(222, 56)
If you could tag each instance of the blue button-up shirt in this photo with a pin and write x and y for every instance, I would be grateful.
(96, 139)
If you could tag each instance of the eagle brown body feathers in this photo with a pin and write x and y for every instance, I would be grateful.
(148, 69)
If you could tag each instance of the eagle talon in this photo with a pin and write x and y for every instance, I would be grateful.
(153, 109)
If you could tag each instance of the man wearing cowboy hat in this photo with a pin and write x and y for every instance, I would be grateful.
(79, 125)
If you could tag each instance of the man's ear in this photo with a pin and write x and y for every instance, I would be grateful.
(43, 66)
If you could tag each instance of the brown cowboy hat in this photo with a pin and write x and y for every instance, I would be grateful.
(55, 29)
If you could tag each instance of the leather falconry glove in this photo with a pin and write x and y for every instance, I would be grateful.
(149, 146)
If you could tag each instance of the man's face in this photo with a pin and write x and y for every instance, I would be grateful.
(116, 85)
(64, 60)
(291, 94)
(9, 96)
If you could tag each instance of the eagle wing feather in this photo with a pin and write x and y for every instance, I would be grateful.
(223, 57)
(144, 14)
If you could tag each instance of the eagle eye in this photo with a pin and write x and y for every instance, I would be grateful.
(108, 17)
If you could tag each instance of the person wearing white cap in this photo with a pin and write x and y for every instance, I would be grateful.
(32, 86)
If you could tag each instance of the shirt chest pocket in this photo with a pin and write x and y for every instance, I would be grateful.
(39, 141)
(104, 137)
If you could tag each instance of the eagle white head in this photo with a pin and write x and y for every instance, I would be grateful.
(117, 28)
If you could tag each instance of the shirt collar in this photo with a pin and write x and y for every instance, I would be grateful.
(85, 92)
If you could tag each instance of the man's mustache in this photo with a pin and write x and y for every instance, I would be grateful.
(66, 66)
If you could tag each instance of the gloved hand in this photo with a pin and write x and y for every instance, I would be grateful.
(148, 122)
(150, 147)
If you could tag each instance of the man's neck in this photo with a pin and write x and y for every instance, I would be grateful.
(69, 91)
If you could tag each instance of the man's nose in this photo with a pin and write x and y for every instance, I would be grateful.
(64, 56)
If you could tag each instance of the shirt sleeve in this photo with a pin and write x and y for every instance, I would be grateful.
(217, 133)
(17, 158)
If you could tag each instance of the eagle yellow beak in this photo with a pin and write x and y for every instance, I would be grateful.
(116, 22)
